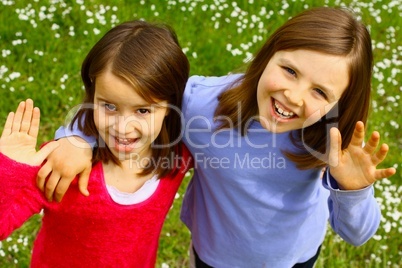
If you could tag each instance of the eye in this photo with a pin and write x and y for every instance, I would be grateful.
(321, 93)
(290, 71)
(143, 111)
(110, 107)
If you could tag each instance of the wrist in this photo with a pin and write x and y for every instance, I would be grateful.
(77, 142)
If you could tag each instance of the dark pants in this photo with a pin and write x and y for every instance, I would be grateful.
(308, 264)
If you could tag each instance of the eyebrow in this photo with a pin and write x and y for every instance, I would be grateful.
(144, 105)
(138, 105)
(328, 91)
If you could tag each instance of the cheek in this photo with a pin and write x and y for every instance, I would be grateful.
(101, 121)
(156, 127)
(312, 116)
(265, 87)
(268, 86)
(313, 113)
(96, 118)
(272, 77)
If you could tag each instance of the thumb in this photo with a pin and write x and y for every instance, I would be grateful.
(44, 152)
(83, 181)
(335, 147)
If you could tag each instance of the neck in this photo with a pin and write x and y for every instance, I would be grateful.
(127, 177)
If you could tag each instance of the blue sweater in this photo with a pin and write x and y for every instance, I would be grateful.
(247, 205)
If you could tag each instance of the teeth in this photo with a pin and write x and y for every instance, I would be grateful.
(282, 113)
(125, 141)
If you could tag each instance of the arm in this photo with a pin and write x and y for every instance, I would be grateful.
(19, 198)
(72, 158)
(354, 215)
(354, 212)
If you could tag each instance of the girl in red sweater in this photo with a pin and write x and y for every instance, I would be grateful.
(134, 80)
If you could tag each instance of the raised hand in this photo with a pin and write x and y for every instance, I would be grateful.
(19, 137)
(355, 167)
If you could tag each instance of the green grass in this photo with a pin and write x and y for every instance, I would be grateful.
(42, 45)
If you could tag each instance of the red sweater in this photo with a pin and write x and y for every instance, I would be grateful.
(84, 231)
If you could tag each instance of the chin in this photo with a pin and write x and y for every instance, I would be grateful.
(271, 127)
(279, 130)
(280, 127)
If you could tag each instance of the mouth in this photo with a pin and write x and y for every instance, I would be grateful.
(281, 111)
(124, 144)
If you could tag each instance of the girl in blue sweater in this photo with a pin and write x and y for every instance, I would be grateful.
(261, 140)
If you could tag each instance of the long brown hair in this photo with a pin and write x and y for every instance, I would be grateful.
(333, 31)
(149, 57)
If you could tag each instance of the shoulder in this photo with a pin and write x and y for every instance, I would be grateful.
(196, 83)
(185, 153)
(182, 162)
(204, 90)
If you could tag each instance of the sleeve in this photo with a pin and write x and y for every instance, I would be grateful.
(19, 196)
(354, 215)
(203, 89)
(189, 90)
(67, 131)
(187, 158)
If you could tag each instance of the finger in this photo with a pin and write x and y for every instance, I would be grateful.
(372, 143)
(358, 134)
(8, 125)
(43, 153)
(35, 122)
(43, 173)
(61, 189)
(384, 173)
(380, 155)
(83, 181)
(335, 147)
(17, 117)
(27, 116)
(51, 185)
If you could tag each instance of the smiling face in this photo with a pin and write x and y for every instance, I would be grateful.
(126, 122)
(298, 87)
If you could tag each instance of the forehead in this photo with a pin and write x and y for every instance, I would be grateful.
(113, 88)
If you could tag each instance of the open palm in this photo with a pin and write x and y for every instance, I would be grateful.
(355, 167)
(19, 137)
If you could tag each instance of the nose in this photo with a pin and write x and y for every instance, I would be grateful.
(294, 96)
(125, 124)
